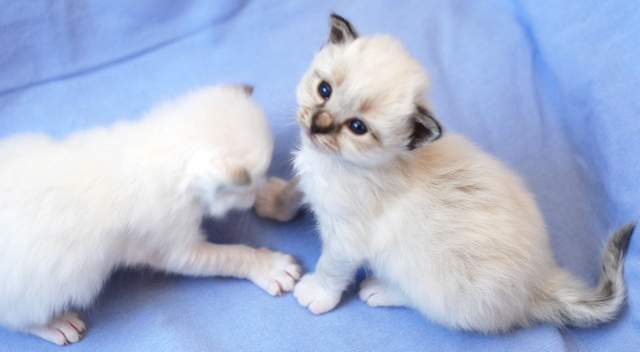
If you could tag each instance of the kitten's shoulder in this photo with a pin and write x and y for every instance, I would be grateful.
(449, 147)
(455, 152)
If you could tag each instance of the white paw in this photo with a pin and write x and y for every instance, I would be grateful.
(276, 272)
(269, 203)
(377, 294)
(312, 295)
(61, 330)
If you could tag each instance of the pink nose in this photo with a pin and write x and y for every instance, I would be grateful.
(322, 122)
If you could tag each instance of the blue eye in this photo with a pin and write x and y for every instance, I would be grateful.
(324, 89)
(356, 126)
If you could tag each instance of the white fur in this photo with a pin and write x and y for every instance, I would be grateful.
(131, 194)
(444, 228)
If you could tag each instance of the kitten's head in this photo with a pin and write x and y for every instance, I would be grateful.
(229, 175)
(224, 183)
(362, 99)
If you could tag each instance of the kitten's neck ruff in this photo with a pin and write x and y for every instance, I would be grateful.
(328, 179)
(338, 163)
(335, 163)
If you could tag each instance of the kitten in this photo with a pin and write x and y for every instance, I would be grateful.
(132, 194)
(444, 228)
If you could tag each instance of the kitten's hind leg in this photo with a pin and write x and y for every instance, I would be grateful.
(61, 330)
(274, 272)
(278, 199)
(378, 294)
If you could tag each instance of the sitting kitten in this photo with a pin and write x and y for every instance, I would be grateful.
(445, 228)
(72, 211)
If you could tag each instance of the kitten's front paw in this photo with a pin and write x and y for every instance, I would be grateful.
(276, 272)
(61, 330)
(271, 205)
(312, 295)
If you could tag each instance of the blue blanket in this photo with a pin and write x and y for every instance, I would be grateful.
(551, 87)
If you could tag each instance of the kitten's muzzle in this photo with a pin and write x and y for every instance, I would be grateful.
(322, 122)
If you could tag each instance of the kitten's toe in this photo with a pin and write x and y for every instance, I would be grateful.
(288, 275)
(378, 294)
(278, 274)
(62, 330)
(74, 320)
(311, 295)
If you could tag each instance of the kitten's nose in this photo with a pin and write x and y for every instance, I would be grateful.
(321, 122)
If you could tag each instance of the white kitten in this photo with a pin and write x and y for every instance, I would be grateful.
(445, 228)
(72, 211)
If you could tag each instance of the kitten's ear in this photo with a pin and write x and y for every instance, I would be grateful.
(426, 128)
(237, 175)
(209, 172)
(247, 88)
(230, 172)
(340, 30)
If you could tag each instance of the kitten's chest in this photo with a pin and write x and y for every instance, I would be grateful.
(332, 190)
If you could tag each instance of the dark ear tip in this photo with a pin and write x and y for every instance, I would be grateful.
(340, 30)
(247, 88)
(336, 20)
(241, 177)
(335, 17)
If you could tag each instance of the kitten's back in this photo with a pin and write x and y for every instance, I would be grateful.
(72, 210)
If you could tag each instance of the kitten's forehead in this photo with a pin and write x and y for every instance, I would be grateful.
(375, 71)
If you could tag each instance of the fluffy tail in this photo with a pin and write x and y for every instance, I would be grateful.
(567, 302)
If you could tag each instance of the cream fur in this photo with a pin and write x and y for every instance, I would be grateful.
(444, 228)
(132, 194)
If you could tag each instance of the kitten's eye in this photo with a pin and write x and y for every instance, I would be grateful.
(324, 89)
(356, 126)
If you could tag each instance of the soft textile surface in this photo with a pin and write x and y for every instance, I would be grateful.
(552, 87)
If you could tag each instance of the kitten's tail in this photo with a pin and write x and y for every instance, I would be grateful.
(566, 301)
